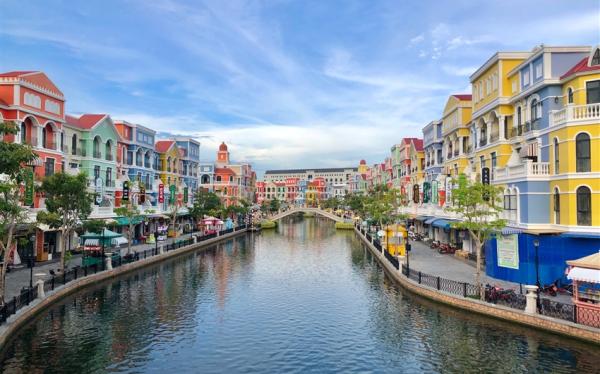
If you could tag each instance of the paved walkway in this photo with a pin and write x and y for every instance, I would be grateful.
(19, 277)
(427, 260)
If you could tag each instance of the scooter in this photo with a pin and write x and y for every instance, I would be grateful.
(434, 244)
(446, 248)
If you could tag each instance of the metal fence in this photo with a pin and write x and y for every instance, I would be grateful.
(27, 294)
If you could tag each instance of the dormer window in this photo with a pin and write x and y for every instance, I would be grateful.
(595, 58)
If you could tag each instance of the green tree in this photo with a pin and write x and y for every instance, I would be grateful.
(478, 205)
(67, 203)
(274, 205)
(356, 203)
(205, 204)
(133, 215)
(13, 166)
(331, 203)
(382, 203)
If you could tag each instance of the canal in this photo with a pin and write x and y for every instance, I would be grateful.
(301, 298)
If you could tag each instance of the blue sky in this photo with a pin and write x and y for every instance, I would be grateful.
(285, 83)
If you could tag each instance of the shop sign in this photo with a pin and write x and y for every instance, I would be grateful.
(185, 194)
(507, 251)
(416, 193)
(29, 186)
(485, 179)
(125, 191)
(99, 191)
(434, 192)
(426, 192)
(172, 190)
(448, 189)
(161, 193)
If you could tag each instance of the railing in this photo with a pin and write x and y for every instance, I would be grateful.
(516, 131)
(574, 113)
(97, 154)
(494, 137)
(526, 169)
(50, 145)
(109, 156)
(483, 141)
(456, 153)
(28, 295)
(110, 183)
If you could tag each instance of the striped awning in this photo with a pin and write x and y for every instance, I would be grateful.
(442, 223)
(430, 220)
(584, 275)
(422, 218)
(529, 150)
(510, 231)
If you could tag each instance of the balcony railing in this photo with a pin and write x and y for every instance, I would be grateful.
(533, 125)
(575, 113)
(109, 156)
(456, 153)
(483, 141)
(97, 154)
(494, 137)
(523, 170)
(110, 183)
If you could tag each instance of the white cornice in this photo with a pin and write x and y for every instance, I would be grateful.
(495, 58)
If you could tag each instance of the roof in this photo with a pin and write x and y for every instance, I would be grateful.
(163, 146)
(223, 147)
(418, 143)
(464, 97)
(224, 171)
(590, 262)
(37, 78)
(580, 67)
(297, 171)
(86, 121)
(16, 73)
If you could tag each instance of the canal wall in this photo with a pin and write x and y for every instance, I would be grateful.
(23, 315)
(537, 321)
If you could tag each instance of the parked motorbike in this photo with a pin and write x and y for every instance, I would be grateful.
(494, 294)
(445, 248)
(434, 244)
(550, 289)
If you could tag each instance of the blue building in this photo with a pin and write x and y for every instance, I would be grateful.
(526, 178)
(190, 161)
(432, 147)
(207, 176)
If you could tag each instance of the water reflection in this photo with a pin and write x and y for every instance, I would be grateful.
(302, 298)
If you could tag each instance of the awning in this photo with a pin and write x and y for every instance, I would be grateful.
(422, 218)
(582, 235)
(591, 262)
(584, 275)
(442, 223)
(92, 242)
(118, 241)
(123, 221)
(510, 231)
(430, 220)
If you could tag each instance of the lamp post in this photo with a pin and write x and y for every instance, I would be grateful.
(31, 259)
(536, 244)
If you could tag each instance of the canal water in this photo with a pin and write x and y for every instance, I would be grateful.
(301, 298)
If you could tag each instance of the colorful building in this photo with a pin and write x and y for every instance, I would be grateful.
(456, 144)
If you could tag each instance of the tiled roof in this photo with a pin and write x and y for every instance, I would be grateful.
(581, 66)
(15, 73)
(465, 97)
(162, 146)
(86, 121)
(224, 171)
(418, 143)
(297, 171)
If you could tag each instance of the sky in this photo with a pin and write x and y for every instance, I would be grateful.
(286, 84)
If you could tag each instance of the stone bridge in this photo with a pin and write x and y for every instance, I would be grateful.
(306, 210)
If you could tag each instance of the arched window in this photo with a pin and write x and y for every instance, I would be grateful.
(23, 133)
(584, 206)
(168, 163)
(218, 178)
(570, 95)
(205, 179)
(108, 150)
(582, 153)
(96, 147)
(74, 144)
(556, 157)
(534, 110)
(556, 207)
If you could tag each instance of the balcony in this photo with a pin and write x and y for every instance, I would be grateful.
(109, 157)
(528, 169)
(516, 131)
(483, 141)
(110, 183)
(97, 154)
(532, 126)
(456, 153)
(494, 137)
(575, 113)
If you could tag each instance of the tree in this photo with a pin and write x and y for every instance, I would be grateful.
(13, 161)
(205, 204)
(356, 203)
(478, 205)
(274, 205)
(132, 214)
(331, 203)
(382, 203)
(67, 203)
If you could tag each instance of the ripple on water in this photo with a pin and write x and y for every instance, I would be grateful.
(300, 299)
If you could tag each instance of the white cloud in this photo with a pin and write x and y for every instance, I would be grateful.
(417, 39)
(461, 71)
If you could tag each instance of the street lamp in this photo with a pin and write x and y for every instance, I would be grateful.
(31, 259)
(536, 245)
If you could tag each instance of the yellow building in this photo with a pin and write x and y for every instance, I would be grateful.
(456, 134)
(417, 166)
(492, 114)
(574, 139)
(169, 164)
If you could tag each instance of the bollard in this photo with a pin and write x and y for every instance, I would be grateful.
(161, 250)
(108, 261)
(40, 287)
(194, 239)
(531, 299)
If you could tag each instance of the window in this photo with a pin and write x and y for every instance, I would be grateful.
(49, 167)
(584, 206)
(493, 160)
(582, 153)
(519, 116)
(218, 178)
(596, 58)
(23, 133)
(510, 204)
(495, 81)
(514, 86)
(108, 177)
(570, 95)
(538, 71)
(108, 151)
(525, 78)
(556, 157)
(97, 147)
(556, 207)
(74, 144)
(96, 172)
(482, 161)
(534, 110)
(593, 92)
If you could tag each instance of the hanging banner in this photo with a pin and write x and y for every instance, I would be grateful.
(99, 191)
(434, 192)
(161, 193)
(485, 179)
(29, 187)
(416, 193)
(185, 194)
(448, 189)
(426, 192)
(125, 191)
(142, 198)
(507, 251)
(172, 190)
